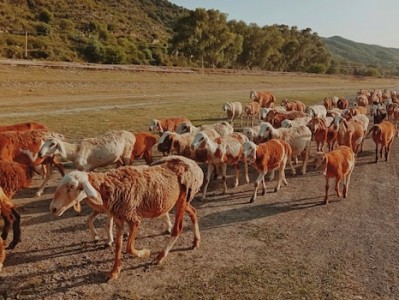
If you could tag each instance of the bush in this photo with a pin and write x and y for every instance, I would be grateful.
(316, 68)
(114, 55)
(43, 29)
(45, 16)
(94, 51)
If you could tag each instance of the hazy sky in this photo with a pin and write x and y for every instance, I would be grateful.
(366, 21)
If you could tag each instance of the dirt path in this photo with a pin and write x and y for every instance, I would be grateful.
(285, 246)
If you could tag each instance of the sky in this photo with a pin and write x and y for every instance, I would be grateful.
(373, 22)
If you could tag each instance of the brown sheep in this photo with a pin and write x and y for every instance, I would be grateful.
(293, 105)
(276, 118)
(13, 177)
(383, 134)
(22, 127)
(267, 156)
(251, 110)
(132, 193)
(342, 103)
(265, 99)
(337, 164)
(168, 124)
(23, 147)
(143, 147)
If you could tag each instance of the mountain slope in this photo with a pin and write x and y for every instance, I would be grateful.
(346, 50)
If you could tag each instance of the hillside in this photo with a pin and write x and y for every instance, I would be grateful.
(140, 32)
(359, 53)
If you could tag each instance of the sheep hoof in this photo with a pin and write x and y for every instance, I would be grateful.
(276, 190)
(196, 244)
(252, 200)
(160, 258)
(113, 276)
(39, 193)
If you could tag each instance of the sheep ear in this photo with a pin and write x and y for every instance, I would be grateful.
(77, 207)
(61, 149)
(92, 193)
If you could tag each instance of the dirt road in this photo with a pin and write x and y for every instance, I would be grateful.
(286, 245)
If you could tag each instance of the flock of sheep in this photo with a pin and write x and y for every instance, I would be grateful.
(283, 134)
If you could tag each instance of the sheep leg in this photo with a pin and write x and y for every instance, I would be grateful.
(116, 270)
(110, 236)
(224, 170)
(134, 227)
(181, 207)
(388, 149)
(293, 171)
(8, 221)
(305, 157)
(326, 189)
(16, 227)
(148, 157)
(47, 174)
(168, 223)
(376, 153)
(281, 175)
(256, 185)
(337, 183)
(271, 175)
(237, 173)
(246, 171)
(90, 223)
(211, 167)
(347, 180)
(192, 212)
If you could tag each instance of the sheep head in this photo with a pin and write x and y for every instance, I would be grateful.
(200, 141)
(249, 151)
(73, 188)
(320, 162)
(266, 130)
(52, 146)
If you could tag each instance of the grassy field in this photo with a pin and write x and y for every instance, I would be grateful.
(82, 103)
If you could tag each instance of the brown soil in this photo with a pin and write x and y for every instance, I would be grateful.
(286, 245)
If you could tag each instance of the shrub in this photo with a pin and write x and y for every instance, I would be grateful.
(45, 16)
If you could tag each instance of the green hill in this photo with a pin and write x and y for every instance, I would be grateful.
(347, 51)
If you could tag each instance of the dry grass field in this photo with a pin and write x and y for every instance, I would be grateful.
(286, 245)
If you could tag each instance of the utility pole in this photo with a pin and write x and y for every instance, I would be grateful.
(26, 44)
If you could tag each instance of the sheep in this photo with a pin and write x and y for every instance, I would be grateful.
(295, 122)
(318, 111)
(391, 109)
(143, 147)
(172, 142)
(252, 133)
(334, 112)
(276, 118)
(322, 134)
(338, 164)
(133, 193)
(383, 133)
(24, 146)
(221, 152)
(169, 124)
(115, 146)
(378, 112)
(293, 105)
(349, 133)
(297, 137)
(328, 103)
(233, 111)
(362, 100)
(23, 127)
(265, 99)
(342, 103)
(362, 119)
(251, 110)
(13, 177)
(222, 128)
(267, 156)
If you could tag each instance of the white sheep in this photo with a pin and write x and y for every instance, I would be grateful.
(233, 111)
(318, 111)
(91, 153)
(221, 152)
(130, 194)
(222, 128)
